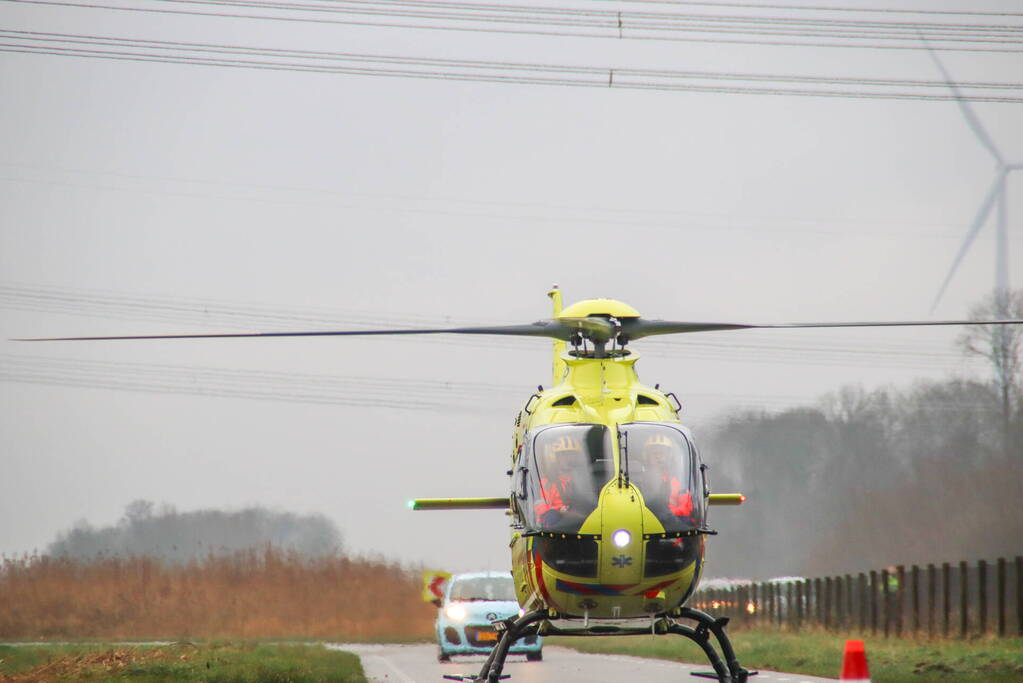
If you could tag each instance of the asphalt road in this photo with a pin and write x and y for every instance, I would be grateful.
(418, 664)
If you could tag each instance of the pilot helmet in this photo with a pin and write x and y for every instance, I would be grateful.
(562, 445)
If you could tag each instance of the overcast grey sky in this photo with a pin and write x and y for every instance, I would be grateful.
(144, 197)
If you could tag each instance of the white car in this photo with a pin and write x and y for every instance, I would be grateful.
(471, 603)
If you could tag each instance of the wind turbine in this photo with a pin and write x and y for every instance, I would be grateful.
(995, 197)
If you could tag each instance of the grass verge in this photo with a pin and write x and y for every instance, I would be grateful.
(983, 660)
(180, 663)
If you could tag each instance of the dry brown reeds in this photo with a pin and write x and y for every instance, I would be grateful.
(250, 594)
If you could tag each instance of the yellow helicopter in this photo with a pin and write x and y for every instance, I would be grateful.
(609, 496)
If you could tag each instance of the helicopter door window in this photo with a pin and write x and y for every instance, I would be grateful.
(569, 465)
(662, 465)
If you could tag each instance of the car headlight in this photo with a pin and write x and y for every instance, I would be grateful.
(455, 612)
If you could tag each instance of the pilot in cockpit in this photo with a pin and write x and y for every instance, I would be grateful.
(562, 461)
(659, 479)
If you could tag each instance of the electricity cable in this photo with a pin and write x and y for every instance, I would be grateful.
(618, 25)
(177, 52)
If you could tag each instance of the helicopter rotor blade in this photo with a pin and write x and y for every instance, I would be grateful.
(599, 330)
(637, 328)
(562, 328)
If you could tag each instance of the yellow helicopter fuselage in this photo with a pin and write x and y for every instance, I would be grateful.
(604, 392)
(606, 571)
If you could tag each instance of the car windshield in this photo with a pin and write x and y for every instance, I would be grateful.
(489, 588)
(661, 464)
(568, 465)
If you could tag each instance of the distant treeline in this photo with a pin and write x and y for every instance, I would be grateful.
(177, 537)
(267, 593)
(868, 479)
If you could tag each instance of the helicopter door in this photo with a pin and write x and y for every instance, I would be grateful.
(567, 466)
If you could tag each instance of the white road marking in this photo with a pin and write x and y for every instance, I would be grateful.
(390, 665)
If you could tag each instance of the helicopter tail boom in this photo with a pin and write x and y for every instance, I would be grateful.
(459, 503)
(727, 499)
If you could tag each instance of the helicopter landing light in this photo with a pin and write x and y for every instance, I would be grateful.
(621, 538)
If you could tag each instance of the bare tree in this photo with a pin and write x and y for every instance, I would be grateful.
(1000, 345)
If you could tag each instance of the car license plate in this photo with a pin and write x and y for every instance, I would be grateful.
(487, 635)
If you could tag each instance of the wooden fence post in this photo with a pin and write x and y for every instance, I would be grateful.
(886, 602)
(861, 584)
(840, 597)
(982, 596)
(775, 604)
(931, 596)
(826, 609)
(1001, 597)
(900, 592)
(849, 601)
(799, 604)
(964, 605)
(915, 599)
(1019, 595)
(946, 602)
(873, 602)
(790, 604)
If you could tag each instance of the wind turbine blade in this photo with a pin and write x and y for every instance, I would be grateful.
(971, 118)
(978, 223)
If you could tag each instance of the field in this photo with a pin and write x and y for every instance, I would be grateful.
(818, 653)
(253, 597)
(248, 595)
(181, 663)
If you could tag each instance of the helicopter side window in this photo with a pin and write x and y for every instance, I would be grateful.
(568, 466)
(662, 464)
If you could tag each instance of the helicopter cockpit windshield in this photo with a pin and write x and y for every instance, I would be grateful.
(567, 466)
(662, 464)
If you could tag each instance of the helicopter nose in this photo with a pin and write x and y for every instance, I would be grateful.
(621, 548)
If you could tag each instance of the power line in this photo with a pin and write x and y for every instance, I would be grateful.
(354, 391)
(318, 61)
(495, 18)
(670, 219)
(822, 8)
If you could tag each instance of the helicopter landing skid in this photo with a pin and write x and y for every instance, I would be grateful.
(727, 671)
(510, 630)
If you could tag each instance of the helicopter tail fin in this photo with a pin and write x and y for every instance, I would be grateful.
(559, 367)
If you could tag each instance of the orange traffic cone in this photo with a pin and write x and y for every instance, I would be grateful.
(854, 664)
